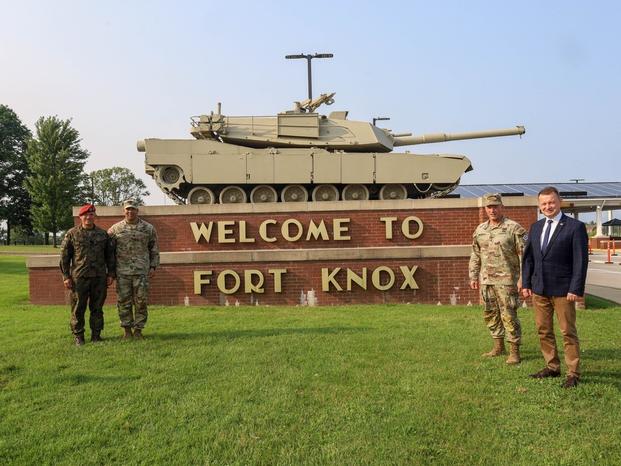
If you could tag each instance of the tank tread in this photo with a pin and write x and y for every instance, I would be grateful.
(181, 195)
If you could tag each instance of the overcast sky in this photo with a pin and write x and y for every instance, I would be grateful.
(127, 70)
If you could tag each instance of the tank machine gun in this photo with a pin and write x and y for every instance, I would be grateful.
(300, 155)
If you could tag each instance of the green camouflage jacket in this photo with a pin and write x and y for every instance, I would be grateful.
(136, 247)
(497, 251)
(87, 253)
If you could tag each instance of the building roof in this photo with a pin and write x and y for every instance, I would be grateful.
(598, 190)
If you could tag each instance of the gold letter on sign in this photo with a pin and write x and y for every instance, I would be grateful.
(388, 221)
(223, 231)
(263, 230)
(327, 277)
(405, 227)
(277, 278)
(377, 279)
(242, 233)
(408, 277)
(360, 280)
(340, 226)
(317, 230)
(250, 287)
(285, 229)
(201, 231)
(199, 280)
(222, 281)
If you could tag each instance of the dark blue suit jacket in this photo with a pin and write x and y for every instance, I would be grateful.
(562, 268)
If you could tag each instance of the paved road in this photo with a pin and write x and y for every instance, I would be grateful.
(604, 280)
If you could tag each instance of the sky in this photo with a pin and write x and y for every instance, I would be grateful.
(128, 70)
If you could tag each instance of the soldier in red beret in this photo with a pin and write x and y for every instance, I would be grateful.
(87, 263)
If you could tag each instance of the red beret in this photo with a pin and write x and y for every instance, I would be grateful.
(86, 208)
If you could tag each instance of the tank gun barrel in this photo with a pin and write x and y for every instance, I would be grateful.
(442, 137)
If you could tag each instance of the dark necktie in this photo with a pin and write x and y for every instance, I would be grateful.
(546, 236)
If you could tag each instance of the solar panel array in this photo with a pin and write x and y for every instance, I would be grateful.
(567, 190)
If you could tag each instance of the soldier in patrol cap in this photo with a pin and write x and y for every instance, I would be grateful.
(137, 257)
(88, 266)
(495, 270)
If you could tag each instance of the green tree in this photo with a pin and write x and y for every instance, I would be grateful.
(56, 161)
(111, 186)
(14, 198)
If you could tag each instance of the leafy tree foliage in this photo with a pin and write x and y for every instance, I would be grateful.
(14, 198)
(111, 186)
(56, 161)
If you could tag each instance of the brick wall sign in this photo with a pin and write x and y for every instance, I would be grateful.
(410, 251)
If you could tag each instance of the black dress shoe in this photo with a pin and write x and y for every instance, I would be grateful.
(545, 373)
(570, 382)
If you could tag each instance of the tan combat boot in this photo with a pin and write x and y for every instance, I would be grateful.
(497, 350)
(514, 354)
(128, 333)
(138, 334)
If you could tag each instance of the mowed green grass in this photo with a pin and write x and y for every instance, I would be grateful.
(29, 249)
(351, 385)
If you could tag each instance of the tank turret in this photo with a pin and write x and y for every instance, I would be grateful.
(299, 155)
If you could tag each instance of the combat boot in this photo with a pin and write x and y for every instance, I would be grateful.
(497, 350)
(96, 336)
(514, 354)
(138, 334)
(128, 333)
(79, 339)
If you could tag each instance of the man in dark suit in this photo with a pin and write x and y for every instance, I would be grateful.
(553, 273)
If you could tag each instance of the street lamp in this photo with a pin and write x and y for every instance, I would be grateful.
(309, 57)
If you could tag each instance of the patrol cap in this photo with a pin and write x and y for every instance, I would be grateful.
(492, 199)
(130, 203)
(86, 208)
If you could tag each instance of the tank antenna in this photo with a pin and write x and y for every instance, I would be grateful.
(380, 119)
(309, 57)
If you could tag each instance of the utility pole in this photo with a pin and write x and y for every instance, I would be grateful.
(309, 57)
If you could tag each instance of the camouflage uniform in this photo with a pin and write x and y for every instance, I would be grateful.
(495, 263)
(87, 257)
(136, 253)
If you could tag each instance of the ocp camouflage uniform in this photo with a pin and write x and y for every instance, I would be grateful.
(136, 253)
(495, 262)
(87, 257)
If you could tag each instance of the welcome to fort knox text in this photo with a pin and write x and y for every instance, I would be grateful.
(292, 230)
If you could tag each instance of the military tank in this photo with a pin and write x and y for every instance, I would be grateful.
(301, 155)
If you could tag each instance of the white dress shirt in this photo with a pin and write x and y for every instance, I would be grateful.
(555, 222)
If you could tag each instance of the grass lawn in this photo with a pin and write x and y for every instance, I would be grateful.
(29, 249)
(348, 385)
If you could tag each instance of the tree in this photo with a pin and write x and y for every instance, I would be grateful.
(56, 163)
(111, 186)
(14, 198)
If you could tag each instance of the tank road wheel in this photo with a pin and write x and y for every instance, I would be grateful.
(355, 192)
(169, 176)
(325, 192)
(294, 193)
(232, 195)
(390, 192)
(422, 188)
(201, 195)
(263, 193)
